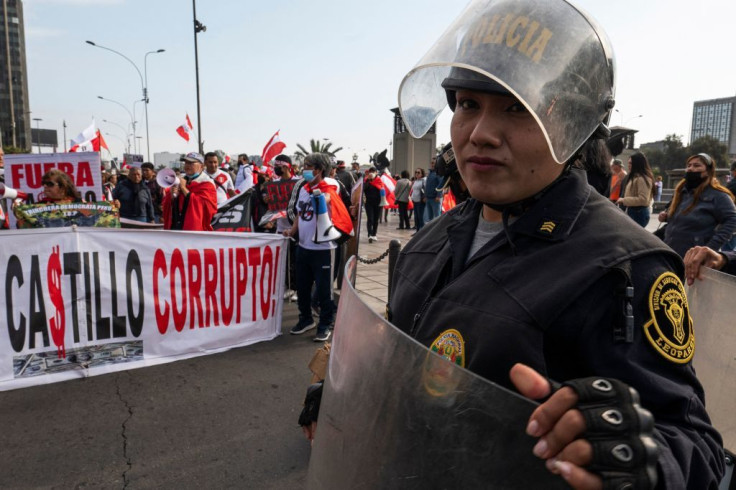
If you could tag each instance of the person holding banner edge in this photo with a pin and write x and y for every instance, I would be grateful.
(536, 277)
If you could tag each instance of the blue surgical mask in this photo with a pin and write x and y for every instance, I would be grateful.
(308, 175)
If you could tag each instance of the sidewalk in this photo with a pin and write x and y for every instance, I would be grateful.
(372, 279)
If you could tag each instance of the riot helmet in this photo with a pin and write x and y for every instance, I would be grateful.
(549, 54)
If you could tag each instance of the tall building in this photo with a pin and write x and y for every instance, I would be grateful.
(716, 118)
(15, 126)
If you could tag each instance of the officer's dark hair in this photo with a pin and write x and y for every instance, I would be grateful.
(320, 161)
(210, 154)
(147, 165)
(404, 174)
(733, 165)
(593, 157)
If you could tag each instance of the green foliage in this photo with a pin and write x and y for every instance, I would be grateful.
(672, 157)
(11, 150)
(675, 153)
(710, 145)
(315, 146)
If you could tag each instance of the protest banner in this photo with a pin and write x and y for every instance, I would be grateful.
(234, 214)
(277, 196)
(80, 302)
(24, 171)
(101, 214)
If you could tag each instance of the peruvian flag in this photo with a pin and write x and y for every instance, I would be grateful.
(185, 129)
(389, 184)
(272, 148)
(93, 144)
(86, 135)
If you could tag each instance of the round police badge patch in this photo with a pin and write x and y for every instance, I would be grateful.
(670, 331)
(439, 377)
(451, 346)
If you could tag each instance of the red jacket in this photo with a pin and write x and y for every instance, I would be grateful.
(198, 207)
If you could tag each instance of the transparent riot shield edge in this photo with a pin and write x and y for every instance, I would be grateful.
(714, 361)
(396, 415)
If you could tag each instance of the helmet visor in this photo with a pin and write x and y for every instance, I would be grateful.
(547, 53)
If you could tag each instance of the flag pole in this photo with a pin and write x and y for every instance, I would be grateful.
(198, 27)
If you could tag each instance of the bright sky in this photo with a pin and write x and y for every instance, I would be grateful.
(327, 68)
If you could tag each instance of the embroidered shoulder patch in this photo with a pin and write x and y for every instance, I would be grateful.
(451, 346)
(670, 330)
(547, 227)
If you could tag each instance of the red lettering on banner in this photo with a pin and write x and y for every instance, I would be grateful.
(266, 296)
(254, 260)
(84, 175)
(32, 173)
(159, 265)
(227, 310)
(177, 264)
(274, 275)
(210, 287)
(57, 322)
(241, 279)
(204, 284)
(195, 284)
(67, 168)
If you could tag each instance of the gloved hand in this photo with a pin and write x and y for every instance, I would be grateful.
(591, 431)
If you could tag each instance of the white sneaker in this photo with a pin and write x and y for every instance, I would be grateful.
(370, 239)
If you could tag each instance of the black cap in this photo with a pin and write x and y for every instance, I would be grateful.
(462, 78)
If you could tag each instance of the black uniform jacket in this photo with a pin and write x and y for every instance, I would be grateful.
(551, 292)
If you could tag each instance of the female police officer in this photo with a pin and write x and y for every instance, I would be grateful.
(538, 276)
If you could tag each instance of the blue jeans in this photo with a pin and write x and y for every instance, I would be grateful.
(418, 214)
(640, 214)
(314, 267)
(432, 209)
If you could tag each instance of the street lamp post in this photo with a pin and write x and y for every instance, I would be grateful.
(145, 96)
(132, 119)
(144, 83)
(38, 132)
(198, 27)
(125, 132)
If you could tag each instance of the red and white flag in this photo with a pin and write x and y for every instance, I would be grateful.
(93, 144)
(389, 184)
(273, 148)
(185, 129)
(86, 135)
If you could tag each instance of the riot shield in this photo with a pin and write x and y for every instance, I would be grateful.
(711, 308)
(396, 415)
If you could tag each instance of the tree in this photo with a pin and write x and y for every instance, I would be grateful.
(713, 147)
(11, 150)
(316, 147)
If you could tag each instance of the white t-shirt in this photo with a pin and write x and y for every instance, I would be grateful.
(244, 179)
(308, 222)
(225, 184)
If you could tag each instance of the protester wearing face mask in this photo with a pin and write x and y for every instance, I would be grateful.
(190, 204)
(314, 257)
(702, 211)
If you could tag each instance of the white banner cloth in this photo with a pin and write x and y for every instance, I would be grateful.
(78, 302)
